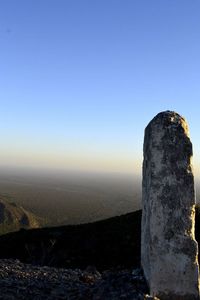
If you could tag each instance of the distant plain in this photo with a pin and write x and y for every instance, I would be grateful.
(62, 198)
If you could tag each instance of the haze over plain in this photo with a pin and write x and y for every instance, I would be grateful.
(80, 80)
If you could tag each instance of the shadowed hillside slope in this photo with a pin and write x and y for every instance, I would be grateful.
(105, 244)
(111, 243)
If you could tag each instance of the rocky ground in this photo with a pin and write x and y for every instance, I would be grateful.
(24, 281)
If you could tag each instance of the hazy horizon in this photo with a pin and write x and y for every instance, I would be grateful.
(80, 80)
(71, 197)
(66, 197)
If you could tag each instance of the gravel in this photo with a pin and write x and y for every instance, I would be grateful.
(24, 281)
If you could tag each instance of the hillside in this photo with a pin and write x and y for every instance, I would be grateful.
(109, 244)
(14, 217)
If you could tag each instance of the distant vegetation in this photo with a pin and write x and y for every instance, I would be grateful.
(63, 199)
(67, 198)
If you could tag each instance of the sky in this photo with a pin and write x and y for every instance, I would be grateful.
(80, 80)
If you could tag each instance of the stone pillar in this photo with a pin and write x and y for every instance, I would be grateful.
(168, 246)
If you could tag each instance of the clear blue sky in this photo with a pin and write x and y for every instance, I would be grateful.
(80, 79)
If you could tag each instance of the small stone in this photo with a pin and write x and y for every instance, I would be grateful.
(148, 297)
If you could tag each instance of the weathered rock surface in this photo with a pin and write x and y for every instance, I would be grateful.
(168, 246)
